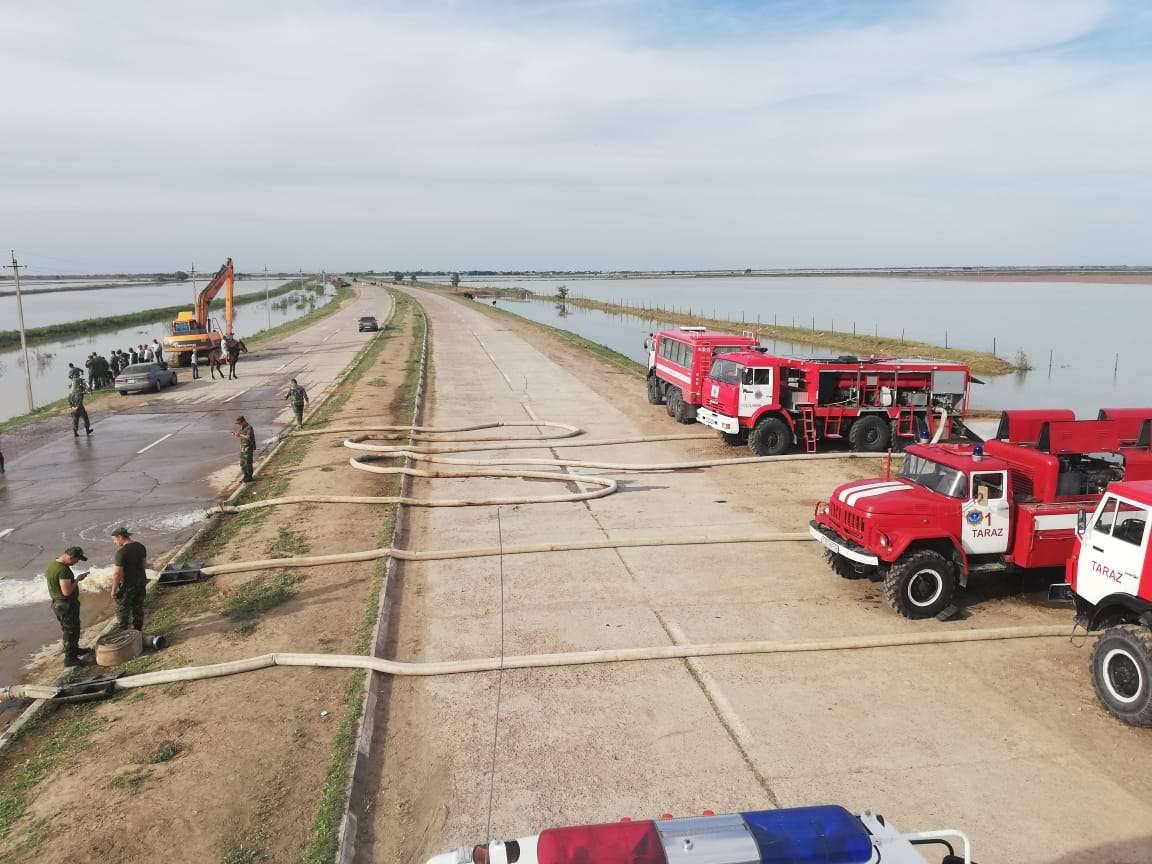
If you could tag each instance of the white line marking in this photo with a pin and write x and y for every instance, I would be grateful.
(282, 365)
(234, 395)
(484, 348)
(329, 336)
(154, 443)
(6, 532)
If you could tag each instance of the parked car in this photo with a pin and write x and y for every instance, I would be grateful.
(144, 377)
(369, 323)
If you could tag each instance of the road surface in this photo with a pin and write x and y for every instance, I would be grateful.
(155, 465)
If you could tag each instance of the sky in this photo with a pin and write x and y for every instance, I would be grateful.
(575, 134)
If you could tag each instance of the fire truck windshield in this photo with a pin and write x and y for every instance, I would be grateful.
(725, 371)
(934, 476)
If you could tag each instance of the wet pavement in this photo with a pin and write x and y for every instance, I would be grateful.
(156, 467)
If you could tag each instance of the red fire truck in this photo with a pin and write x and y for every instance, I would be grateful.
(772, 402)
(1110, 573)
(955, 510)
(678, 362)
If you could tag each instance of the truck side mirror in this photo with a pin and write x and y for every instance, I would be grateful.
(1081, 522)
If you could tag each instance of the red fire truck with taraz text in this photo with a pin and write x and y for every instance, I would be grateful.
(772, 402)
(678, 363)
(956, 510)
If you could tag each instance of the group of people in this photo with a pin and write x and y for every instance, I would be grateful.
(102, 371)
(129, 585)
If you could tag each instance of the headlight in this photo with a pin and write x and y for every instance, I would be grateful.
(822, 508)
(884, 541)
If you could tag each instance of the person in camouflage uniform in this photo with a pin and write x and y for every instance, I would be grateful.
(247, 436)
(76, 402)
(298, 396)
(129, 580)
(65, 594)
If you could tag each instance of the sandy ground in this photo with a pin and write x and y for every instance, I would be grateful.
(255, 748)
(1002, 740)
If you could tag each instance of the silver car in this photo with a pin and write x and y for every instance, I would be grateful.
(144, 377)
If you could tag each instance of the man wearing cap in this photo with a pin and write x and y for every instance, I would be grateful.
(247, 436)
(76, 402)
(129, 581)
(298, 395)
(65, 594)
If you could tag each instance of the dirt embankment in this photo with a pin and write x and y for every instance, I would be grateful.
(241, 769)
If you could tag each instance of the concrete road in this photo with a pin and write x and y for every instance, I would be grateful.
(1002, 740)
(155, 465)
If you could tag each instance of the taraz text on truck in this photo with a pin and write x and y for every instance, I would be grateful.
(193, 330)
(678, 363)
(957, 510)
(774, 403)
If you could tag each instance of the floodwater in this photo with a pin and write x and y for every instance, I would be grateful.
(1093, 333)
(49, 360)
(58, 307)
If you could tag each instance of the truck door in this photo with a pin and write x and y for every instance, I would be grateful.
(755, 390)
(1112, 550)
(987, 517)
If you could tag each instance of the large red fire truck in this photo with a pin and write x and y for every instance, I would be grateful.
(1110, 573)
(678, 363)
(956, 510)
(772, 402)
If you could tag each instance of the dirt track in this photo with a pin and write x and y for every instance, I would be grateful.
(995, 739)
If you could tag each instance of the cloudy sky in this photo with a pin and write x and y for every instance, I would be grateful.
(351, 134)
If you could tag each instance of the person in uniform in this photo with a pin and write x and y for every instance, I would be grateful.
(76, 402)
(90, 365)
(247, 436)
(65, 594)
(298, 396)
(129, 580)
(73, 373)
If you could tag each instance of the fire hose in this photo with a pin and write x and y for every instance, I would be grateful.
(403, 668)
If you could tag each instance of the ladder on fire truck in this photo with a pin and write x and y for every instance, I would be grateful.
(906, 422)
(808, 426)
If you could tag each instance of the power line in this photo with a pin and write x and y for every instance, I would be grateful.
(15, 268)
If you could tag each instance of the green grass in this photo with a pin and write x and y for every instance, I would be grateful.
(288, 544)
(71, 729)
(166, 752)
(256, 596)
(88, 326)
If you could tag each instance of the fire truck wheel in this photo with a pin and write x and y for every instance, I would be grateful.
(846, 569)
(771, 437)
(870, 434)
(921, 584)
(1122, 673)
(655, 397)
(671, 399)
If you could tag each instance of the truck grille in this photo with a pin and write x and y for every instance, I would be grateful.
(851, 524)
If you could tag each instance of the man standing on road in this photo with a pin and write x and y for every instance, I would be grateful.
(76, 401)
(298, 396)
(90, 365)
(195, 363)
(129, 580)
(247, 436)
(65, 594)
(158, 350)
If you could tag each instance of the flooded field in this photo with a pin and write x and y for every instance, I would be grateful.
(1084, 355)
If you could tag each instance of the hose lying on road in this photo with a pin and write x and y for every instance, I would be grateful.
(544, 661)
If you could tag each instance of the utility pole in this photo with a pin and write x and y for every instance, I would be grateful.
(15, 268)
(267, 298)
(204, 323)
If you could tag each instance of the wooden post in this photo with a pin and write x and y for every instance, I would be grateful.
(1050, 352)
(1115, 366)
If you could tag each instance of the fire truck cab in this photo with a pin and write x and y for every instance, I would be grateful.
(1110, 574)
(955, 510)
(678, 362)
(772, 402)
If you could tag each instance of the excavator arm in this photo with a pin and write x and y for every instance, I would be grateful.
(224, 278)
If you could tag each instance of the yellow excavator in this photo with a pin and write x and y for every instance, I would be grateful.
(194, 330)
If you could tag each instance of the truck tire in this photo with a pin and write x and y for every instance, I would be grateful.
(1122, 673)
(738, 439)
(846, 569)
(921, 584)
(655, 391)
(771, 437)
(671, 400)
(685, 411)
(870, 434)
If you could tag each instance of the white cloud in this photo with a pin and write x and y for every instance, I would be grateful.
(568, 135)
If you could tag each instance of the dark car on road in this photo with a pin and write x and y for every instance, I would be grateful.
(144, 377)
(369, 323)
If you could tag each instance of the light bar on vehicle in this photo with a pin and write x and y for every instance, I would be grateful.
(801, 835)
